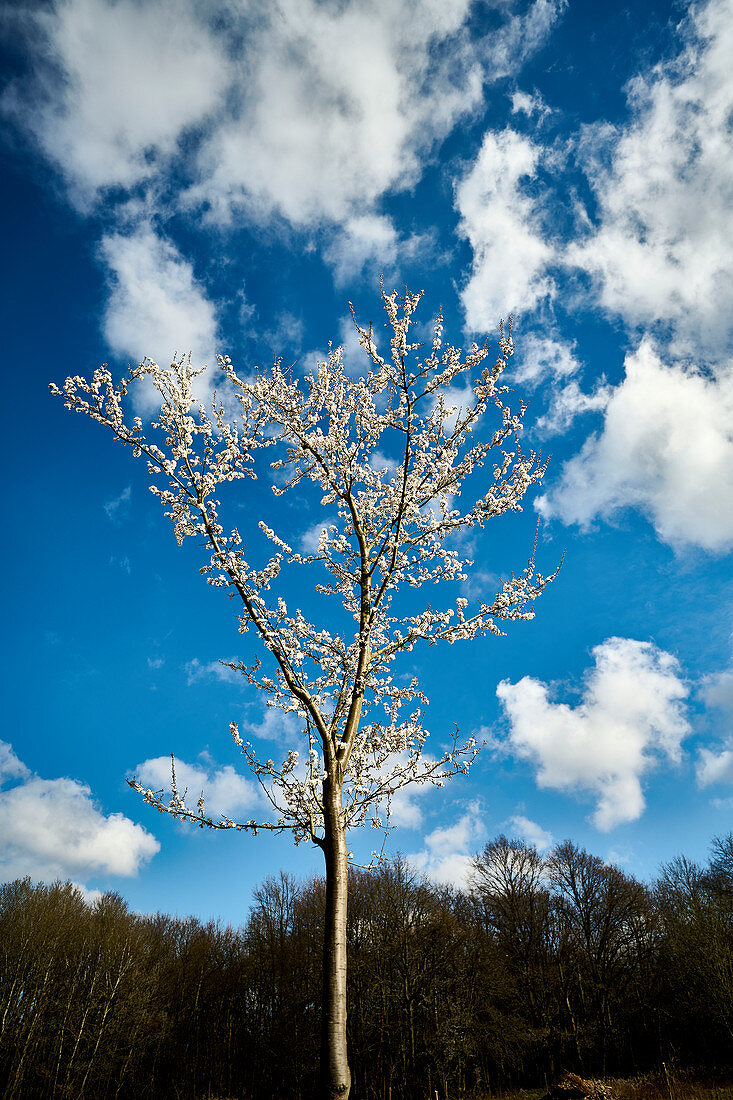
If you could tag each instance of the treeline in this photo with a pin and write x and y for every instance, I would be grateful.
(546, 963)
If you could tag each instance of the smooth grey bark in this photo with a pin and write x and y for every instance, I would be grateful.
(335, 1072)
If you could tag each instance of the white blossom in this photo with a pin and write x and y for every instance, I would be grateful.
(396, 529)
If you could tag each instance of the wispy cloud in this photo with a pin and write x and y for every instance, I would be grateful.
(116, 507)
(529, 103)
(197, 670)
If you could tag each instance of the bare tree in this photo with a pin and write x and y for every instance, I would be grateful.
(600, 910)
(510, 895)
(389, 452)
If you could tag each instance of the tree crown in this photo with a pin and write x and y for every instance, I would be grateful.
(391, 452)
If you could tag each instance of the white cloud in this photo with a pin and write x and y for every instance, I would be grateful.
(90, 896)
(718, 690)
(529, 830)
(523, 35)
(448, 850)
(335, 106)
(371, 241)
(538, 358)
(11, 766)
(480, 584)
(510, 253)
(225, 790)
(52, 828)
(124, 83)
(722, 803)
(294, 108)
(666, 447)
(355, 360)
(382, 463)
(404, 809)
(662, 248)
(569, 401)
(310, 537)
(630, 718)
(548, 358)
(365, 239)
(715, 765)
(156, 306)
(286, 335)
(529, 104)
(279, 726)
(371, 86)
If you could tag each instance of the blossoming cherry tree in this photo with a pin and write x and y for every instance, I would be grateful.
(389, 453)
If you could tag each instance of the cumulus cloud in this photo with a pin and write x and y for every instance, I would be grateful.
(291, 111)
(446, 856)
(369, 238)
(666, 447)
(662, 246)
(226, 791)
(249, 92)
(631, 717)
(371, 86)
(718, 690)
(404, 809)
(354, 359)
(529, 830)
(156, 306)
(353, 81)
(715, 766)
(109, 103)
(52, 828)
(502, 223)
(659, 251)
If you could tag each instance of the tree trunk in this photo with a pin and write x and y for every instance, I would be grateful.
(335, 1072)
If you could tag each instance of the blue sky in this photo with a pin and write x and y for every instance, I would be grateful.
(225, 177)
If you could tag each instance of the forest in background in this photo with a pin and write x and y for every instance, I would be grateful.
(547, 963)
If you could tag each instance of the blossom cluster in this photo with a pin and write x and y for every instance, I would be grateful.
(391, 453)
